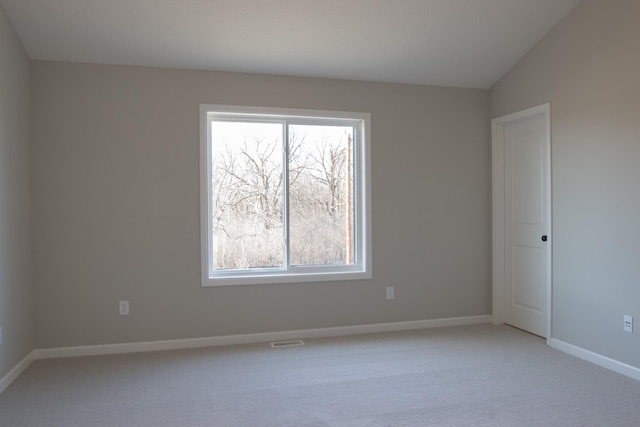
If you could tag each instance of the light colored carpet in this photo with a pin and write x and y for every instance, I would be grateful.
(481, 375)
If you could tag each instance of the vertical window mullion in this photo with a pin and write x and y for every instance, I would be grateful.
(285, 193)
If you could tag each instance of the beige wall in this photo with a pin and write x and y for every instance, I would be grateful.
(15, 236)
(589, 69)
(116, 205)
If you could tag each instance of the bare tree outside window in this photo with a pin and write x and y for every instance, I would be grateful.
(247, 195)
(249, 163)
(318, 196)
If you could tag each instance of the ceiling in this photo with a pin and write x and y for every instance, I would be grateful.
(460, 43)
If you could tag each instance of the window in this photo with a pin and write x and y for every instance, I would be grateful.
(285, 195)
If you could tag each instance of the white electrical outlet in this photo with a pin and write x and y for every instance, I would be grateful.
(124, 308)
(628, 324)
(389, 292)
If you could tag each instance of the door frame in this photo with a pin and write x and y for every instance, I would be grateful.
(498, 210)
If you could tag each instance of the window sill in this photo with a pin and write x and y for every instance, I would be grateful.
(281, 278)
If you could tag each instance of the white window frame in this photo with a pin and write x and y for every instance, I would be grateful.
(362, 265)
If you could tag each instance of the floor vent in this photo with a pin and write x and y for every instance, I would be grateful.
(292, 343)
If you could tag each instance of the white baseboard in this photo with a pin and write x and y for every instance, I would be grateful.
(595, 358)
(95, 350)
(16, 371)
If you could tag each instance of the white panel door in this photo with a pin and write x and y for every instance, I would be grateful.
(521, 148)
(526, 223)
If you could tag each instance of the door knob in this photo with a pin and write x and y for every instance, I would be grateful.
(544, 238)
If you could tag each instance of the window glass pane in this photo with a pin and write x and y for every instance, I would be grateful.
(320, 195)
(246, 190)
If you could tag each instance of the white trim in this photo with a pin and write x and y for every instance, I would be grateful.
(95, 350)
(498, 211)
(16, 371)
(138, 347)
(595, 358)
(362, 266)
